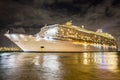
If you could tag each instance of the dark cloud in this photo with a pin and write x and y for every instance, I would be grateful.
(30, 14)
(45, 11)
(116, 3)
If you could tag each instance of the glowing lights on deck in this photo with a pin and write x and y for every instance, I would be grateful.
(52, 31)
(12, 36)
(99, 31)
(15, 37)
(76, 34)
(7, 35)
(82, 36)
(85, 45)
(49, 38)
(83, 26)
(30, 36)
(21, 35)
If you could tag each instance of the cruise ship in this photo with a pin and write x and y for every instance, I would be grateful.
(64, 38)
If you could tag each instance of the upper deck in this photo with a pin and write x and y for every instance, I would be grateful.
(70, 32)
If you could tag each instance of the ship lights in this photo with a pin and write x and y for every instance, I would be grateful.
(30, 36)
(85, 44)
(37, 39)
(7, 35)
(21, 35)
(14, 36)
(83, 26)
(50, 38)
(52, 31)
(25, 39)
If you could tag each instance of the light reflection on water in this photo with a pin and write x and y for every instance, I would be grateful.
(60, 66)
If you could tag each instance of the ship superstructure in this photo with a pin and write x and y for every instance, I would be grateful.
(65, 37)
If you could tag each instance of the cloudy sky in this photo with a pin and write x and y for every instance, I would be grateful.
(27, 16)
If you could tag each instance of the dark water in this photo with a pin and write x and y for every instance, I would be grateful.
(60, 66)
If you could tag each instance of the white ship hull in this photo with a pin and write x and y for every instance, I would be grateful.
(64, 38)
(58, 46)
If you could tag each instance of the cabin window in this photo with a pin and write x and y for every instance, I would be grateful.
(42, 46)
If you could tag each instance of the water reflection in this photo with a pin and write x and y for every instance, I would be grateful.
(60, 66)
(104, 60)
(48, 64)
(108, 61)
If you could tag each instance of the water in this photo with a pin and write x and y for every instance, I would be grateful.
(60, 66)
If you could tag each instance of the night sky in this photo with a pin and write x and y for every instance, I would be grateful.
(28, 16)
